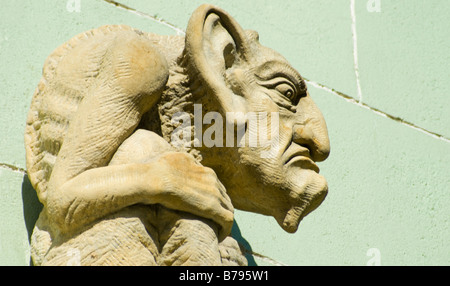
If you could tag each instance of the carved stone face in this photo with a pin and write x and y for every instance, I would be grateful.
(243, 76)
(286, 184)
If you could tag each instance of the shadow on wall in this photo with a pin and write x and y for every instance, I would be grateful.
(243, 244)
(31, 205)
(32, 208)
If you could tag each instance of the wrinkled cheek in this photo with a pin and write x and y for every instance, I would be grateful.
(267, 169)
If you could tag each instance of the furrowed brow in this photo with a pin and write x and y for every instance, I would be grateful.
(272, 69)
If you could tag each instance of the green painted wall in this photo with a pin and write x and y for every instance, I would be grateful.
(380, 77)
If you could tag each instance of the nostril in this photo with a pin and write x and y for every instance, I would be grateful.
(302, 134)
(318, 146)
(321, 153)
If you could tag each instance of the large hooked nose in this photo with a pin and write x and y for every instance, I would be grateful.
(313, 134)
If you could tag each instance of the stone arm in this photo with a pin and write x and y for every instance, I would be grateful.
(173, 180)
(82, 188)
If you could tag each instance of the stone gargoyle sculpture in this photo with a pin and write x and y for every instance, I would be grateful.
(104, 155)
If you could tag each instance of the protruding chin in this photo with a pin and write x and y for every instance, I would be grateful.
(304, 198)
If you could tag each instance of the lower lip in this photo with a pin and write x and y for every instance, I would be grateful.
(304, 162)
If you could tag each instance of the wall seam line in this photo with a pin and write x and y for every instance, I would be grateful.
(12, 168)
(260, 256)
(148, 16)
(355, 49)
(378, 111)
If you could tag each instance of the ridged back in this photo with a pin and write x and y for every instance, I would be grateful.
(69, 74)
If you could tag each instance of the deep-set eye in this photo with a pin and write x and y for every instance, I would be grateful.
(286, 90)
(283, 86)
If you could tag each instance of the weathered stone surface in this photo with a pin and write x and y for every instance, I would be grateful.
(121, 187)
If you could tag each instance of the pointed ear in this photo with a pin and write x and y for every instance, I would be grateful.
(214, 43)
